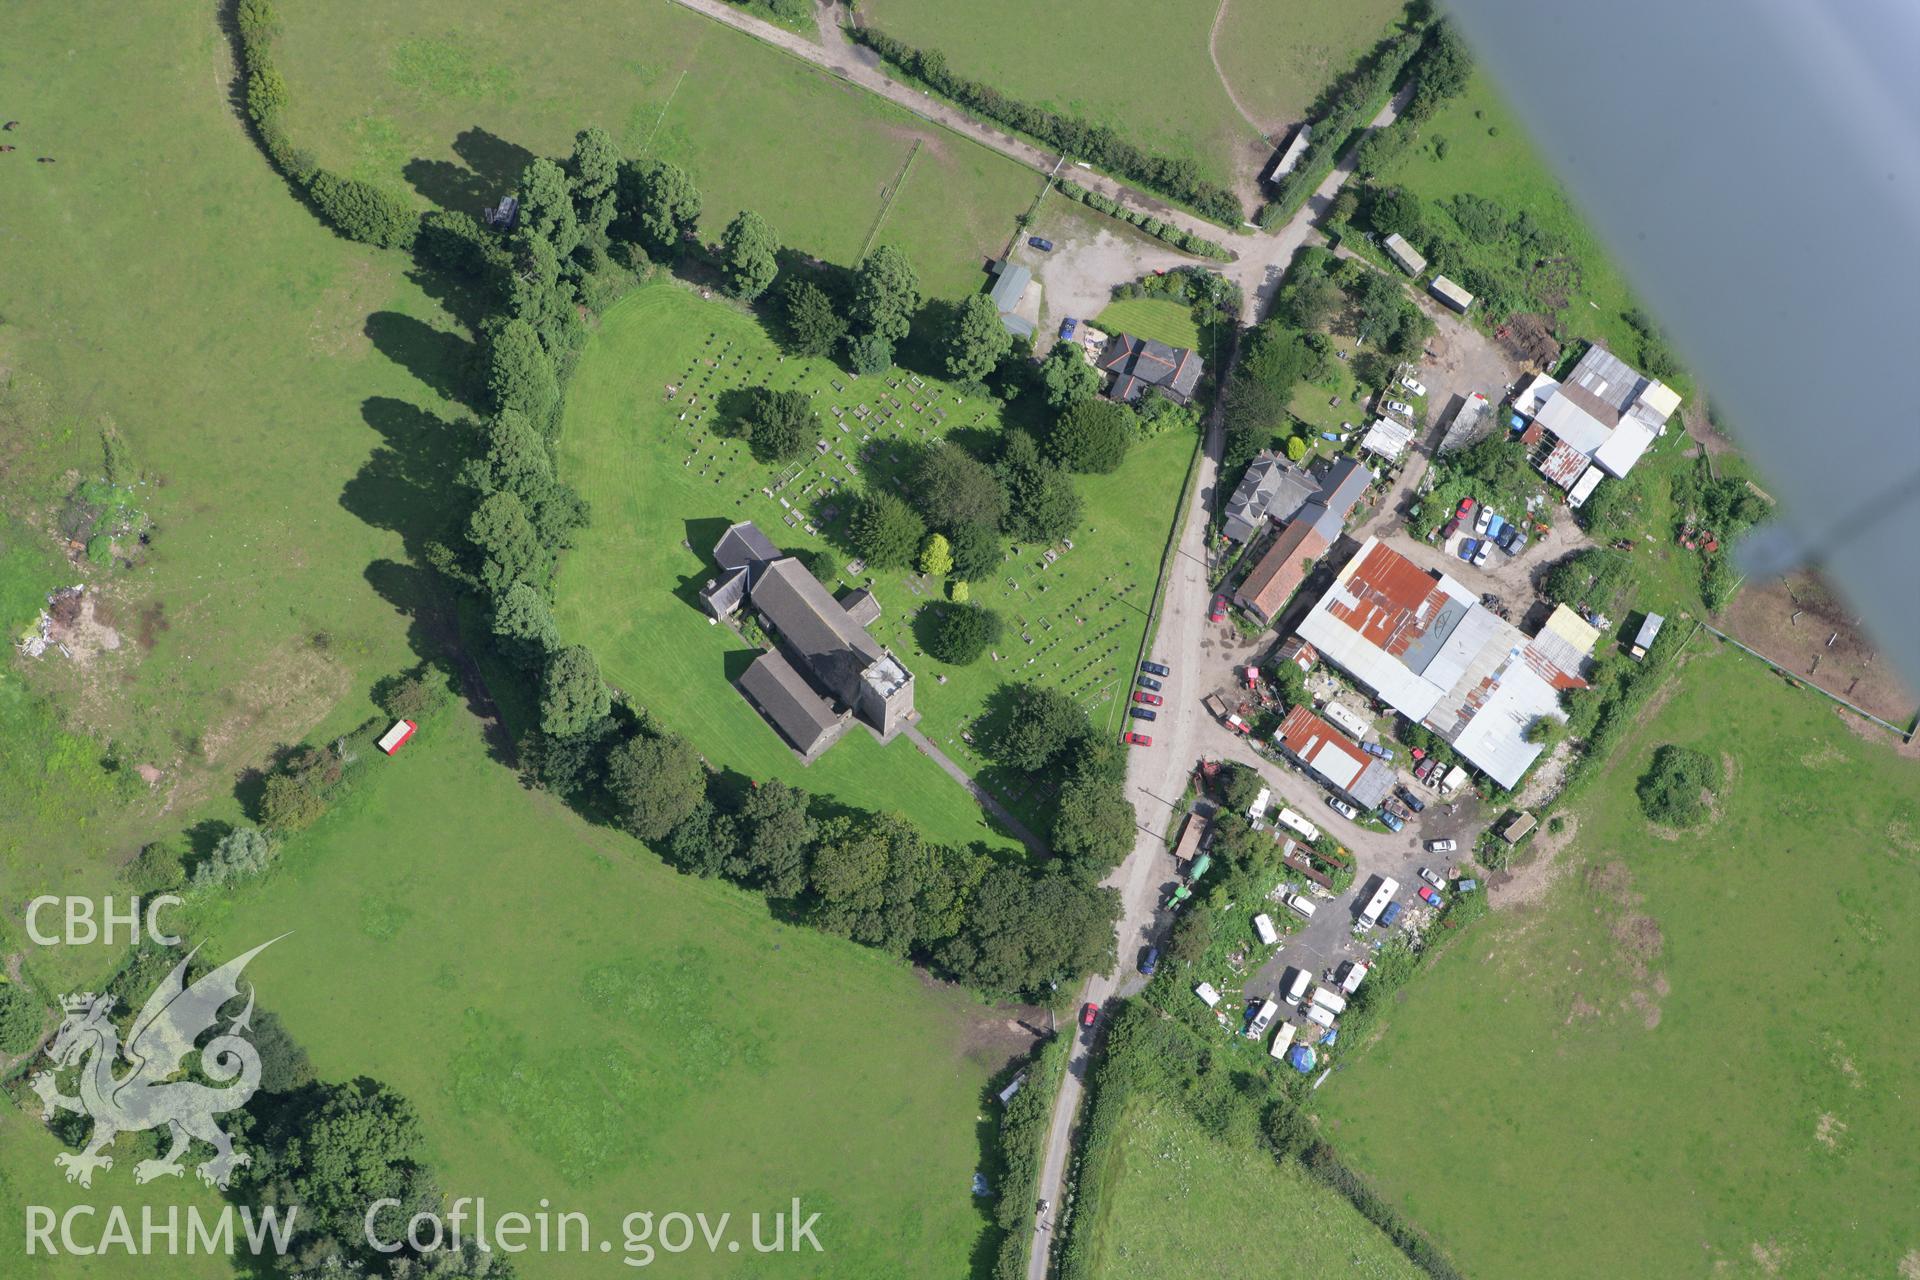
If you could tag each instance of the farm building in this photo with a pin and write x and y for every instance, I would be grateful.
(1330, 756)
(1648, 633)
(1297, 651)
(1605, 410)
(1272, 487)
(1404, 255)
(1388, 439)
(824, 666)
(1284, 565)
(1289, 158)
(1450, 293)
(1136, 364)
(1428, 647)
(1010, 284)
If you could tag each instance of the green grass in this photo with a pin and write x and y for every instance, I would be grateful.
(271, 380)
(1489, 154)
(1143, 69)
(656, 482)
(1676, 1093)
(1181, 1202)
(1159, 318)
(575, 1021)
(389, 97)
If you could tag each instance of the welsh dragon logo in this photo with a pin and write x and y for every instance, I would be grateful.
(148, 1096)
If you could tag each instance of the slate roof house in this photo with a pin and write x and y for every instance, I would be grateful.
(824, 669)
(1316, 526)
(1010, 283)
(1135, 364)
(1272, 487)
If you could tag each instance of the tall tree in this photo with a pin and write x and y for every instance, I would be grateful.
(959, 633)
(977, 340)
(1092, 436)
(1042, 724)
(976, 550)
(520, 374)
(659, 205)
(954, 488)
(572, 696)
(813, 327)
(1066, 376)
(936, 556)
(886, 294)
(523, 624)
(747, 255)
(1041, 503)
(655, 783)
(594, 169)
(869, 353)
(780, 424)
(776, 838)
(1025, 931)
(886, 531)
(360, 1144)
(546, 207)
(509, 549)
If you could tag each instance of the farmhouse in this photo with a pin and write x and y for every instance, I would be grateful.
(1135, 364)
(1010, 285)
(1284, 565)
(1450, 293)
(1272, 487)
(824, 669)
(1605, 413)
(1428, 647)
(1289, 157)
(1404, 255)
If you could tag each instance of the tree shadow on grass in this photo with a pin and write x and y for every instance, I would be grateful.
(406, 484)
(435, 634)
(491, 168)
(446, 362)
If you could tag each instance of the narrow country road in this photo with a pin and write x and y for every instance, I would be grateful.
(1156, 775)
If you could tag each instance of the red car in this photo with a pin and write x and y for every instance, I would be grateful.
(1428, 896)
(1219, 611)
(1088, 1014)
(1136, 739)
(1149, 699)
(1466, 509)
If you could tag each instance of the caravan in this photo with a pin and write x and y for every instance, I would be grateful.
(1327, 1000)
(1262, 1019)
(1264, 930)
(1297, 824)
(1294, 984)
(1282, 1038)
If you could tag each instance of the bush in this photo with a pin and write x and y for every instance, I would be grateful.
(290, 803)
(159, 865)
(960, 633)
(21, 1014)
(241, 854)
(361, 211)
(1678, 788)
(411, 695)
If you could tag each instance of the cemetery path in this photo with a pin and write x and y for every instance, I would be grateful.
(1018, 829)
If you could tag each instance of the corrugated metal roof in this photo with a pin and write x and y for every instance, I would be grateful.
(1387, 438)
(1564, 465)
(1405, 255)
(1623, 448)
(1450, 293)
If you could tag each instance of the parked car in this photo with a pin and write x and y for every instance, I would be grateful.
(1428, 896)
(1375, 749)
(1388, 916)
(1088, 1014)
(1433, 877)
(1442, 846)
(1496, 527)
(1414, 385)
(1136, 739)
(1511, 540)
(1411, 800)
(1466, 508)
(1400, 407)
(1450, 528)
(1219, 611)
(1485, 553)
(1067, 327)
(1148, 682)
(1393, 820)
(1342, 808)
(1425, 768)
(1160, 669)
(1483, 520)
(1300, 904)
(1143, 713)
(1149, 962)
(1147, 699)
(1468, 548)
(1044, 246)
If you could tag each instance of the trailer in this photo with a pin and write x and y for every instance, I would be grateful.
(397, 737)
(1297, 824)
(1356, 974)
(1282, 1039)
(1345, 720)
(1262, 1019)
(1263, 929)
(1207, 994)
(1370, 913)
(1328, 1000)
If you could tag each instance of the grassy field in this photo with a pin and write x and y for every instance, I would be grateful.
(451, 101)
(663, 489)
(1144, 70)
(1159, 318)
(1180, 1202)
(1693, 1058)
(1488, 154)
(575, 1021)
(279, 387)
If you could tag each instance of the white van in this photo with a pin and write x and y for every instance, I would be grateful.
(1262, 1020)
(1378, 902)
(1300, 903)
(1258, 808)
(1206, 992)
(1319, 1016)
(1282, 1038)
(1264, 930)
(1294, 984)
(1329, 1001)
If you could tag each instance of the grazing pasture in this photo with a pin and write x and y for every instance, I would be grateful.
(1692, 1035)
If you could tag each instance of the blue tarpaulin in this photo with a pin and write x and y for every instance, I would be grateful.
(1301, 1058)
(1518, 423)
